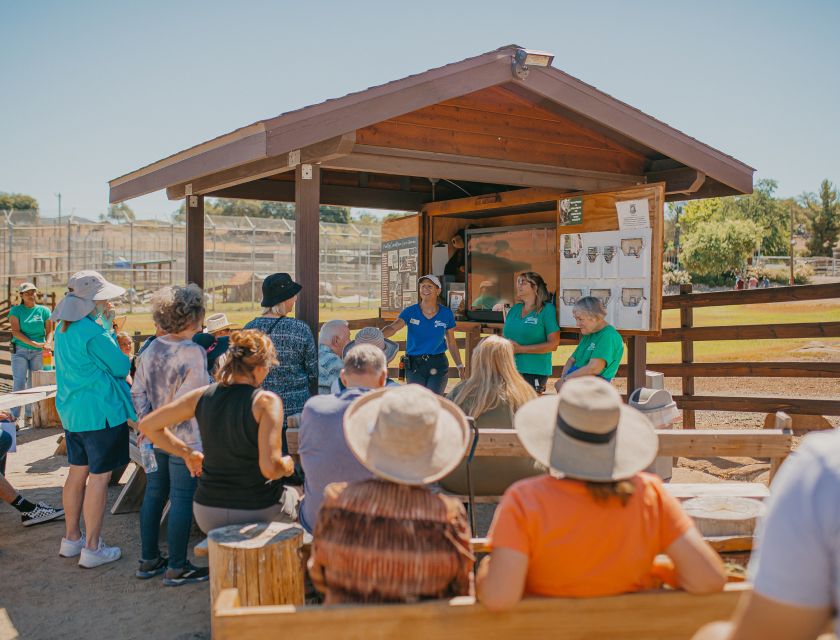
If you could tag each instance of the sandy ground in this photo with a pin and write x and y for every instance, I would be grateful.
(45, 596)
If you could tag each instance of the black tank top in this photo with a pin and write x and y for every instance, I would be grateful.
(231, 477)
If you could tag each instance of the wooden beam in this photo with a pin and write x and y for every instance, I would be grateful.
(493, 201)
(753, 296)
(636, 362)
(430, 164)
(748, 369)
(318, 152)
(195, 240)
(368, 198)
(684, 180)
(752, 332)
(803, 406)
(307, 245)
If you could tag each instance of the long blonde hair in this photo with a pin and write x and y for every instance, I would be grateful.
(494, 379)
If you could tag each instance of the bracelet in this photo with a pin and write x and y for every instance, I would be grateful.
(459, 366)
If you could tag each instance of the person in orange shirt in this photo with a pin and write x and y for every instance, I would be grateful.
(595, 524)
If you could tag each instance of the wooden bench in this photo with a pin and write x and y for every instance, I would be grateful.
(664, 615)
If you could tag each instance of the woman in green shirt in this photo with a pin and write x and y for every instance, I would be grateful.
(531, 325)
(31, 328)
(601, 347)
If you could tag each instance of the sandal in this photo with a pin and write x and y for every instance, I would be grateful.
(151, 568)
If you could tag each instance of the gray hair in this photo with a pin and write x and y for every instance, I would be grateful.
(591, 306)
(365, 359)
(330, 329)
(175, 308)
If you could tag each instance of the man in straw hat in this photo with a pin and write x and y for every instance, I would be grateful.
(594, 525)
(391, 539)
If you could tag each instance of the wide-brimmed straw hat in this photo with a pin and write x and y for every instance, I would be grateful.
(83, 290)
(374, 336)
(406, 434)
(585, 432)
(217, 322)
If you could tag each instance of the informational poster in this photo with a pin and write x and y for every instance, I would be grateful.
(399, 273)
(633, 215)
(571, 211)
(613, 266)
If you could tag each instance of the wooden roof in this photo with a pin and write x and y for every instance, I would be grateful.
(471, 124)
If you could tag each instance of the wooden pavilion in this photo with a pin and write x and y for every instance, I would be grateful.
(498, 122)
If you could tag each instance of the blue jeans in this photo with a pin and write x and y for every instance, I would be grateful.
(172, 480)
(431, 372)
(24, 362)
(5, 445)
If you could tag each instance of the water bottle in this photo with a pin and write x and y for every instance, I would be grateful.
(47, 360)
(147, 457)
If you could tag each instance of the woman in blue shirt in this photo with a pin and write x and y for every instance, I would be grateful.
(94, 403)
(431, 330)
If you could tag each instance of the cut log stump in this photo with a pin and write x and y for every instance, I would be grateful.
(723, 515)
(262, 560)
(44, 413)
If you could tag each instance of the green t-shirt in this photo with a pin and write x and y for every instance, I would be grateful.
(32, 323)
(532, 329)
(606, 345)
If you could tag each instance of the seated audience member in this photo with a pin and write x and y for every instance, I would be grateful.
(324, 454)
(391, 539)
(218, 325)
(240, 426)
(214, 346)
(595, 524)
(375, 337)
(30, 512)
(332, 339)
(795, 568)
(491, 395)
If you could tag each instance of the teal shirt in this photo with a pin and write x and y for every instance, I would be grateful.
(32, 323)
(90, 376)
(606, 345)
(532, 329)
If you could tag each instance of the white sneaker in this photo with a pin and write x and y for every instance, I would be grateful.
(103, 555)
(71, 548)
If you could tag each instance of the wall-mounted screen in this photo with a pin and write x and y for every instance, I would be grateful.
(496, 256)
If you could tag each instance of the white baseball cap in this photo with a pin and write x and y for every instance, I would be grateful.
(431, 278)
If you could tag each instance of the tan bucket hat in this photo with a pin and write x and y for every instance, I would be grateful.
(585, 432)
(217, 322)
(406, 434)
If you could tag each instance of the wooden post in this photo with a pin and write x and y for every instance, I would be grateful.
(636, 362)
(195, 240)
(785, 422)
(687, 350)
(262, 560)
(307, 244)
(44, 413)
(473, 337)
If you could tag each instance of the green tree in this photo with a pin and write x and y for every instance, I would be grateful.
(19, 201)
(824, 211)
(119, 213)
(340, 215)
(719, 246)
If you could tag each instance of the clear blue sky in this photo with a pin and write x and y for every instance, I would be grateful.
(97, 89)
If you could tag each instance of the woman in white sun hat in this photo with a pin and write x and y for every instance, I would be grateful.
(94, 403)
(391, 539)
(595, 524)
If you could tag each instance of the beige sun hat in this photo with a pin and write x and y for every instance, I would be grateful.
(217, 322)
(585, 432)
(406, 434)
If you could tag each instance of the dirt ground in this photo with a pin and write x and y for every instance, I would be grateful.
(44, 596)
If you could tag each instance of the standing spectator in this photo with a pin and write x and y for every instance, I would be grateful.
(240, 428)
(531, 326)
(31, 332)
(297, 371)
(795, 568)
(334, 336)
(94, 404)
(753, 282)
(31, 513)
(430, 331)
(765, 282)
(391, 539)
(171, 366)
(324, 454)
(595, 524)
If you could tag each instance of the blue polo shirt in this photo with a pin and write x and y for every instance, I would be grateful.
(426, 336)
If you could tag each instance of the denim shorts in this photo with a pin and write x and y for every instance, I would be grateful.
(101, 451)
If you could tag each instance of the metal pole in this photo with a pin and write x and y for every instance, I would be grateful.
(171, 252)
(69, 250)
(791, 245)
(131, 253)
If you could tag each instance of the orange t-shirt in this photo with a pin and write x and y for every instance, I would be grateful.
(578, 547)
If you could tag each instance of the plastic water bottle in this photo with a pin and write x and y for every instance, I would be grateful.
(47, 360)
(147, 456)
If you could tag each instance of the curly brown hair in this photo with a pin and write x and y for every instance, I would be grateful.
(247, 349)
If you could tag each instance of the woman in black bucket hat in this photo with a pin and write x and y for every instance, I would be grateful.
(293, 341)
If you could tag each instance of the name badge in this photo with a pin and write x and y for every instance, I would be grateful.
(440, 323)
(531, 320)
(414, 321)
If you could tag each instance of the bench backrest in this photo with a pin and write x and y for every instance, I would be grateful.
(664, 615)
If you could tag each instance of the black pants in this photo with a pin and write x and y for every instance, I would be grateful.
(430, 371)
(536, 382)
